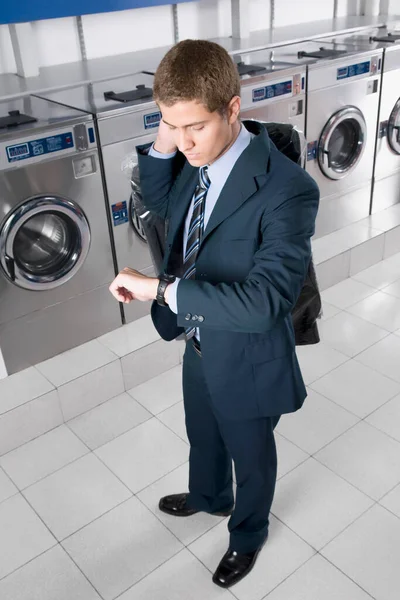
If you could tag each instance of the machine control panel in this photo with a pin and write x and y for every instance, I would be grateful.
(272, 91)
(371, 67)
(38, 147)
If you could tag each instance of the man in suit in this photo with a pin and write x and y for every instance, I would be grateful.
(240, 218)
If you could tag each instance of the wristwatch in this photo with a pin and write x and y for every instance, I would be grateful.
(165, 280)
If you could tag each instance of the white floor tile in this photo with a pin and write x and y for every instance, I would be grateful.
(174, 418)
(357, 388)
(28, 421)
(183, 577)
(369, 553)
(384, 357)
(366, 458)
(318, 580)
(317, 504)
(7, 488)
(289, 455)
(121, 547)
(131, 337)
(381, 309)
(144, 454)
(148, 362)
(392, 242)
(333, 270)
(328, 246)
(380, 275)
(367, 254)
(283, 553)
(106, 422)
(328, 310)
(387, 418)
(392, 501)
(90, 390)
(76, 362)
(23, 535)
(350, 334)
(22, 387)
(346, 293)
(386, 219)
(44, 455)
(161, 392)
(186, 530)
(393, 289)
(317, 360)
(74, 496)
(317, 423)
(51, 576)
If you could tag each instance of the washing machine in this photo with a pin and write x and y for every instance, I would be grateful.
(272, 89)
(125, 116)
(56, 260)
(386, 173)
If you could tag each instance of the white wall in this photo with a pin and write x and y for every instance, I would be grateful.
(7, 61)
(119, 32)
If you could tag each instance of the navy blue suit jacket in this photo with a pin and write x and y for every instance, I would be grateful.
(250, 268)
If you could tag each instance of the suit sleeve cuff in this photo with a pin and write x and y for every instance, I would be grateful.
(153, 152)
(173, 296)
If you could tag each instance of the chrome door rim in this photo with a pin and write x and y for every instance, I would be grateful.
(393, 132)
(344, 114)
(22, 214)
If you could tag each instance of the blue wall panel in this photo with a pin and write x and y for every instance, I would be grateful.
(21, 11)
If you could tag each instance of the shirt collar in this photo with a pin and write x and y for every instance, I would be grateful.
(219, 171)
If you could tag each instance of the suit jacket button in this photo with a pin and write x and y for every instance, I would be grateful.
(188, 317)
(195, 317)
(200, 318)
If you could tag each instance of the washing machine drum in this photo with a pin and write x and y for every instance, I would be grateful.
(44, 242)
(393, 129)
(342, 142)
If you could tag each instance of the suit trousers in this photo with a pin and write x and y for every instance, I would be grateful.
(214, 442)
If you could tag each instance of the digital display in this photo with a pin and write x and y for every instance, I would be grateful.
(18, 151)
(353, 70)
(272, 91)
(152, 120)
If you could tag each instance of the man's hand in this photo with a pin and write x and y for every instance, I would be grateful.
(131, 285)
(165, 142)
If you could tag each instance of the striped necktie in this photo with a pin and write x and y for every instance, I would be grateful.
(195, 231)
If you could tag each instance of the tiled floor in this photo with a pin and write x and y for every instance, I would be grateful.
(78, 503)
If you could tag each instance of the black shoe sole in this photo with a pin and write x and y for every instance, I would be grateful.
(225, 513)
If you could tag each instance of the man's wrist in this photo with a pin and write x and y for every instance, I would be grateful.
(159, 147)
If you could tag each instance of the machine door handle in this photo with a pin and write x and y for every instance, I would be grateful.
(328, 155)
(10, 264)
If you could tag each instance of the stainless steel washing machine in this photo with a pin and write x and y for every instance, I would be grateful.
(56, 260)
(386, 188)
(343, 86)
(272, 89)
(386, 172)
(125, 116)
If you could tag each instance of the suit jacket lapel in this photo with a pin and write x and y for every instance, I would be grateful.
(247, 175)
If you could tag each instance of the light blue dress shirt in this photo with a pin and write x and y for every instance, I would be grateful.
(218, 172)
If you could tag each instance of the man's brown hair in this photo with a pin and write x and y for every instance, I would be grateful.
(197, 70)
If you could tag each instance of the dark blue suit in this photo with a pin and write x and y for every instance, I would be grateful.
(250, 268)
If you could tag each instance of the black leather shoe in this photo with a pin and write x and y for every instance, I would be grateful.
(234, 566)
(176, 505)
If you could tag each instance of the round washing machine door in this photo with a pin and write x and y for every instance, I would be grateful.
(393, 131)
(44, 242)
(342, 142)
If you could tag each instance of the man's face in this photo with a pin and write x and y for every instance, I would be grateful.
(199, 134)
